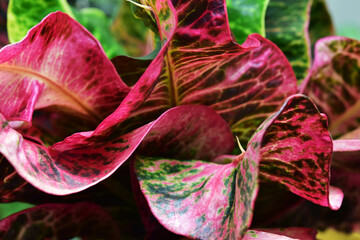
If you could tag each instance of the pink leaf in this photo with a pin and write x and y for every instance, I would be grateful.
(296, 152)
(244, 84)
(214, 201)
(60, 221)
(333, 83)
(58, 63)
(83, 159)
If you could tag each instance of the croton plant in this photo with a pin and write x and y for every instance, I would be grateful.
(178, 119)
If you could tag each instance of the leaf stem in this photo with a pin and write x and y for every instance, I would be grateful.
(239, 144)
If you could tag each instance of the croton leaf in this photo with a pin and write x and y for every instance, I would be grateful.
(297, 153)
(83, 159)
(281, 234)
(206, 200)
(58, 63)
(286, 24)
(246, 17)
(333, 83)
(60, 221)
(24, 14)
(244, 84)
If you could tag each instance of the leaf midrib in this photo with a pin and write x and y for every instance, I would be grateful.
(56, 87)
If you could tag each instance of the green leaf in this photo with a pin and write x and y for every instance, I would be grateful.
(286, 25)
(246, 17)
(24, 14)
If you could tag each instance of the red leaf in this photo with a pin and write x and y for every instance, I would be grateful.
(244, 84)
(84, 159)
(296, 152)
(58, 63)
(294, 233)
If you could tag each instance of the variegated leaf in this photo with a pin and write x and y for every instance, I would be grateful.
(296, 152)
(286, 24)
(60, 221)
(244, 84)
(333, 83)
(246, 17)
(58, 63)
(204, 200)
(85, 159)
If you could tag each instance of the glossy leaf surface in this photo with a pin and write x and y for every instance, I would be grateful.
(83, 160)
(203, 65)
(246, 17)
(24, 14)
(80, 79)
(333, 83)
(296, 152)
(60, 221)
(286, 25)
(171, 187)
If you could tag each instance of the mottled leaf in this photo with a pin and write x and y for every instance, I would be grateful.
(334, 83)
(244, 84)
(281, 234)
(80, 79)
(246, 17)
(24, 14)
(60, 221)
(206, 200)
(286, 24)
(85, 159)
(199, 199)
(296, 152)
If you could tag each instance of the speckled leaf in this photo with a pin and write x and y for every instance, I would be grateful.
(60, 221)
(246, 17)
(203, 65)
(286, 24)
(293, 233)
(334, 83)
(24, 14)
(296, 152)
(85, 159)
(320, 23)
(203, 200)
(200, 199)
(80, 79)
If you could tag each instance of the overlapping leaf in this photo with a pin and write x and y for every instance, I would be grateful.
(203, 65)
(24, 14)
(58, 63)
(60, 221)
(206, 200)
(286, 25)
(83, 160)
(334, 80)
(246, 17)
(297, 154)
